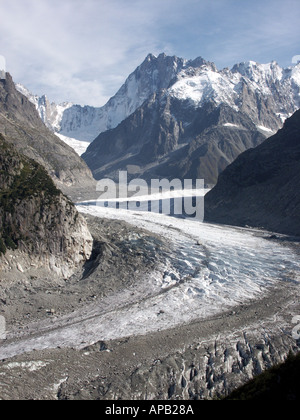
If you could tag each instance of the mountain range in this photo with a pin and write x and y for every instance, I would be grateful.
(178, 118)
(196, 81)
(196, 124)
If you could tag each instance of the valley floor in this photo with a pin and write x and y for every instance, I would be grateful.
(167, 308)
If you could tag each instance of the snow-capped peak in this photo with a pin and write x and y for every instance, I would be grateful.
(257, 72)
(50, 113)
(262, 82)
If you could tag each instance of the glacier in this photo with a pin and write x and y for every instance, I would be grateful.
(209, 270)
(195, 81)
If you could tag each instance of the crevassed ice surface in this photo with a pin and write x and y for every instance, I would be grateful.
(214, 268)
(207, 270)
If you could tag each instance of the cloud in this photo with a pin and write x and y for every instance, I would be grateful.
(83, 51)
(50, 43)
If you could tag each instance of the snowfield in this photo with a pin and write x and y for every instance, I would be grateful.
(208, 270)
(79, 146)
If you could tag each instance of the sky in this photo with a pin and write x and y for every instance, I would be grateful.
(82, 51)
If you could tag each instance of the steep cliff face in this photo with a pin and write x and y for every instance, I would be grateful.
(261, 188)
(21, 125)
(39, 226)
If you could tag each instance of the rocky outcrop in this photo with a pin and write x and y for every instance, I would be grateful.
(22, 127)
(39, 226)
(261, 188)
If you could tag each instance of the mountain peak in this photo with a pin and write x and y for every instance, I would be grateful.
(150, 57)
(197, 62)
(162, 55)
(170, 60)
(161, 58)
(249, 68)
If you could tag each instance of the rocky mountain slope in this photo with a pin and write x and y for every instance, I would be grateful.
(50, 113)
(167, 134)
(22, 127)
(39, 226)
(261, 188)
(163, 138)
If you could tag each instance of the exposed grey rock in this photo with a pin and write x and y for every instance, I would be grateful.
(86, 122)
(38, 225)
(265, 92)
(161, 99)
(166, 138)
(262, 187)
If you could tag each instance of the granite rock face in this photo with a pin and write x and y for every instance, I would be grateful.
(267, 93)
(261, 188)
(39, 226)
